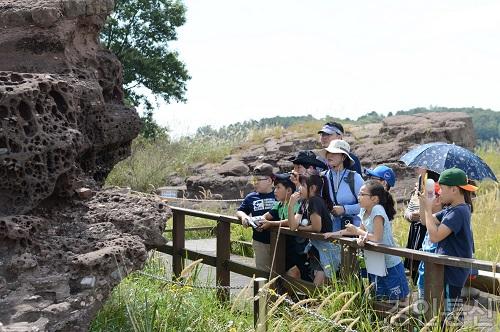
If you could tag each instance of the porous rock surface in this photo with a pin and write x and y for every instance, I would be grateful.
(374, 144)
(63, 122)
(61, 262)
(64, 244)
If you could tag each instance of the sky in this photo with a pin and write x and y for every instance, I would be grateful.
(256, 59)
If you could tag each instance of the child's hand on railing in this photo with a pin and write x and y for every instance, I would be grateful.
(362, 240)
(332, 235)
(352, 229)
(246, 221)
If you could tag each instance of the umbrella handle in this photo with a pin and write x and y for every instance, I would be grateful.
(422, 180)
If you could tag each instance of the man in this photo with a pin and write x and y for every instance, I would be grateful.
(255, 204)
(331, 131)
(305, 160)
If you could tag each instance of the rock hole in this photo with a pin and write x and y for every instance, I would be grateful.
(60, 101)
(4, 112)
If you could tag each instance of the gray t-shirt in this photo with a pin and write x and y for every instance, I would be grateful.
(387, 238)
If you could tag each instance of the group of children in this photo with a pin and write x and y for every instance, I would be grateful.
(334, 200)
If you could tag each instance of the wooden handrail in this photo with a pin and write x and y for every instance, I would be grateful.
(396, 251)
(434, 263)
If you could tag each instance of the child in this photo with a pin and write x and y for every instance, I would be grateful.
(377, 208)
(451, 229)
(384, 174)
(313, 216)
(427, 244)
(303, 161)
(257, 203)
(297, 265)
(417, 230)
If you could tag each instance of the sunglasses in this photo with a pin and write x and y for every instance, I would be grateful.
(258, 179)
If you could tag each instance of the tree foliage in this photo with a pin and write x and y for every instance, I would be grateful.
(138, 33)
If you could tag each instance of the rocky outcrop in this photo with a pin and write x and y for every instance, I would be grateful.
(63, 126)
(230, 179)
(61, 262)
(374, 144)
(63, 121)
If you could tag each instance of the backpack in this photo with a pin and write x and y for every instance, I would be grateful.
(325, 193)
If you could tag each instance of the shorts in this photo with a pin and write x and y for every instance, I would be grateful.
(262, 255)
(393, 286)
(329, 256)
(295, 256)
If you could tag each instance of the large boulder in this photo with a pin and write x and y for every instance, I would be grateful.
(63, 121)
(63, 126)
(59, 264)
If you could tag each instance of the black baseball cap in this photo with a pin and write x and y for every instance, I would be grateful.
(307, 158)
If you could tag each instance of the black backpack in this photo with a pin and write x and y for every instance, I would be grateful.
(325, 193)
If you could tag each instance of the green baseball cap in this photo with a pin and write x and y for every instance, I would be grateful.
(456, 177)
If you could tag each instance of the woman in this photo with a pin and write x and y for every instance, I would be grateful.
(342, 187)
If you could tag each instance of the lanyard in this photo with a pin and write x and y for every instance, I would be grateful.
(335, 188)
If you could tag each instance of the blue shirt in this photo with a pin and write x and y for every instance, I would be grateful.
(344, 195)
(427, 246)
(459, 243)
(387, 238)
(256, 204)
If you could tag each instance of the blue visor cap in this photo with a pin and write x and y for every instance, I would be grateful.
(383, 173)
(330, 130)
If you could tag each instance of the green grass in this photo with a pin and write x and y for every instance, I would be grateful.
(140, 303)
(152, 162)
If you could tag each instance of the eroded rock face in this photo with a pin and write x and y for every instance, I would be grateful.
(374, 144)
(64, 244)
(63, 122)
(60, 263)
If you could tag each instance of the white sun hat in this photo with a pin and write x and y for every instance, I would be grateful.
(340, 146)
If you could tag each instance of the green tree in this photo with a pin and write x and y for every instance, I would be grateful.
(138, 33)
(151, 130)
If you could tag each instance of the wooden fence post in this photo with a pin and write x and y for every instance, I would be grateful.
(349, 261)
(223, 256)
(433, 290)
(259, 305)
(178, 242)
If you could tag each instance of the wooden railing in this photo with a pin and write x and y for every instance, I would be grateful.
(434, 263)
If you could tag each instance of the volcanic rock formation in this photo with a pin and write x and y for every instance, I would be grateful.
(63, 122)
(63, 126)
(374, 144)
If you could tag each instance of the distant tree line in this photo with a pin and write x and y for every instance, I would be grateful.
(486, 122)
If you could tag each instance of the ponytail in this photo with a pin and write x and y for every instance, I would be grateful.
(389, 207)
(384, 197)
